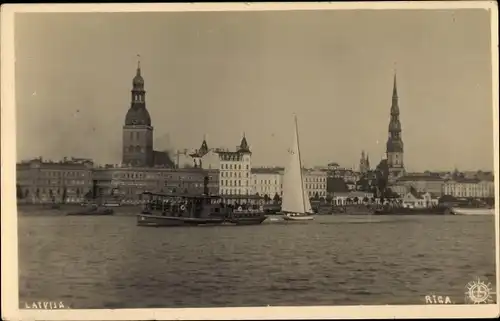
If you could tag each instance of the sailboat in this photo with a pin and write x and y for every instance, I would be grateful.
(295, 204)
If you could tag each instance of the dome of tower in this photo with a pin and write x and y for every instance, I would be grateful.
(138, 116)
(138, 80)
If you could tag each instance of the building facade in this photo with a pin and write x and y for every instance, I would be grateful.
(414, 199)
(315, 183)
(267, 181)
(420, 183)
(394, 146)
(128, 183)
(235, 170)
(469, 187)
(40, 181)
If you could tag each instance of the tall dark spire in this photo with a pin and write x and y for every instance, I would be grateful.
(395, 86)
(394, 143)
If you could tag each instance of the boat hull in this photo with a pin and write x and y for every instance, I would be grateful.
(90, 214)
(97, 212)
(171, 221)
(472, 211)
(297, 217)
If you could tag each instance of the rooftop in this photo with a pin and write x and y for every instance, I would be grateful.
(267, 170)
(412, 178)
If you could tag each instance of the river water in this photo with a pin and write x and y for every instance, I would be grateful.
(109, 262)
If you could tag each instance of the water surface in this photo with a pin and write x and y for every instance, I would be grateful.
(109, 262)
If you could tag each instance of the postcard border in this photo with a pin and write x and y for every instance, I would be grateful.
(10, 303)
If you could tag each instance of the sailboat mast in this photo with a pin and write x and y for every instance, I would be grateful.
(300, 163)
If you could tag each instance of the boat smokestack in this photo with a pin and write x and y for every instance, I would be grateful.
(205, 185)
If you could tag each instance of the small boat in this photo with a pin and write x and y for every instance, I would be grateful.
(93, 210)
(295, 205)
(162, 210)
(471, 211)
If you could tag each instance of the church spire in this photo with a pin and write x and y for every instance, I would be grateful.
(395, 86)
(395, 147)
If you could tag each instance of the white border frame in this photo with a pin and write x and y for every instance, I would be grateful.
(10, 291)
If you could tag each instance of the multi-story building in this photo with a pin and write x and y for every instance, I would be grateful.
(420, 183)
(130, 182)
(42, 181)
(315, 183)
(465, 187)
(235, 169)
(267, 181)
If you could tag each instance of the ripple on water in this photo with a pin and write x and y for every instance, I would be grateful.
(108, 262)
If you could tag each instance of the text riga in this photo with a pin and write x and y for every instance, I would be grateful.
(437, 299)
(45, 305)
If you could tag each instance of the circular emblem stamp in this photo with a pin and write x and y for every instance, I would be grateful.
(478, 291)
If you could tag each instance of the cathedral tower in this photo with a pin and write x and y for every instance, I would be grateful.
(394, 146)
(137, 131)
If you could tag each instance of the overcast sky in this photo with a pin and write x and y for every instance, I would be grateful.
(220, 74)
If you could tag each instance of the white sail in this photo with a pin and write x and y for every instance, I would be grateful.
(307, 202)
(295, 199)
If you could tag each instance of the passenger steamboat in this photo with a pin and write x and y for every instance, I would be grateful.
(188, 210)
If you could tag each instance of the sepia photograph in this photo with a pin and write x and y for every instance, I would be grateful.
(250, 161)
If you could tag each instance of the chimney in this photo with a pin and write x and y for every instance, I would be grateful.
(205, 185)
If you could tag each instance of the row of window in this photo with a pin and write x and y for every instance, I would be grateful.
(266, 182)
(475, 187)
(315, 186)
(233, 183)
(234, 166)
(61, 182)
(472, 194)
(153, 176)
(264, 189)
(59, 173)
(243, 191)
(315, 179)
(231, 174)
(53, 191)
(231, 158)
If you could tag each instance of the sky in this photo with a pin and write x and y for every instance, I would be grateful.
(225, 74)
